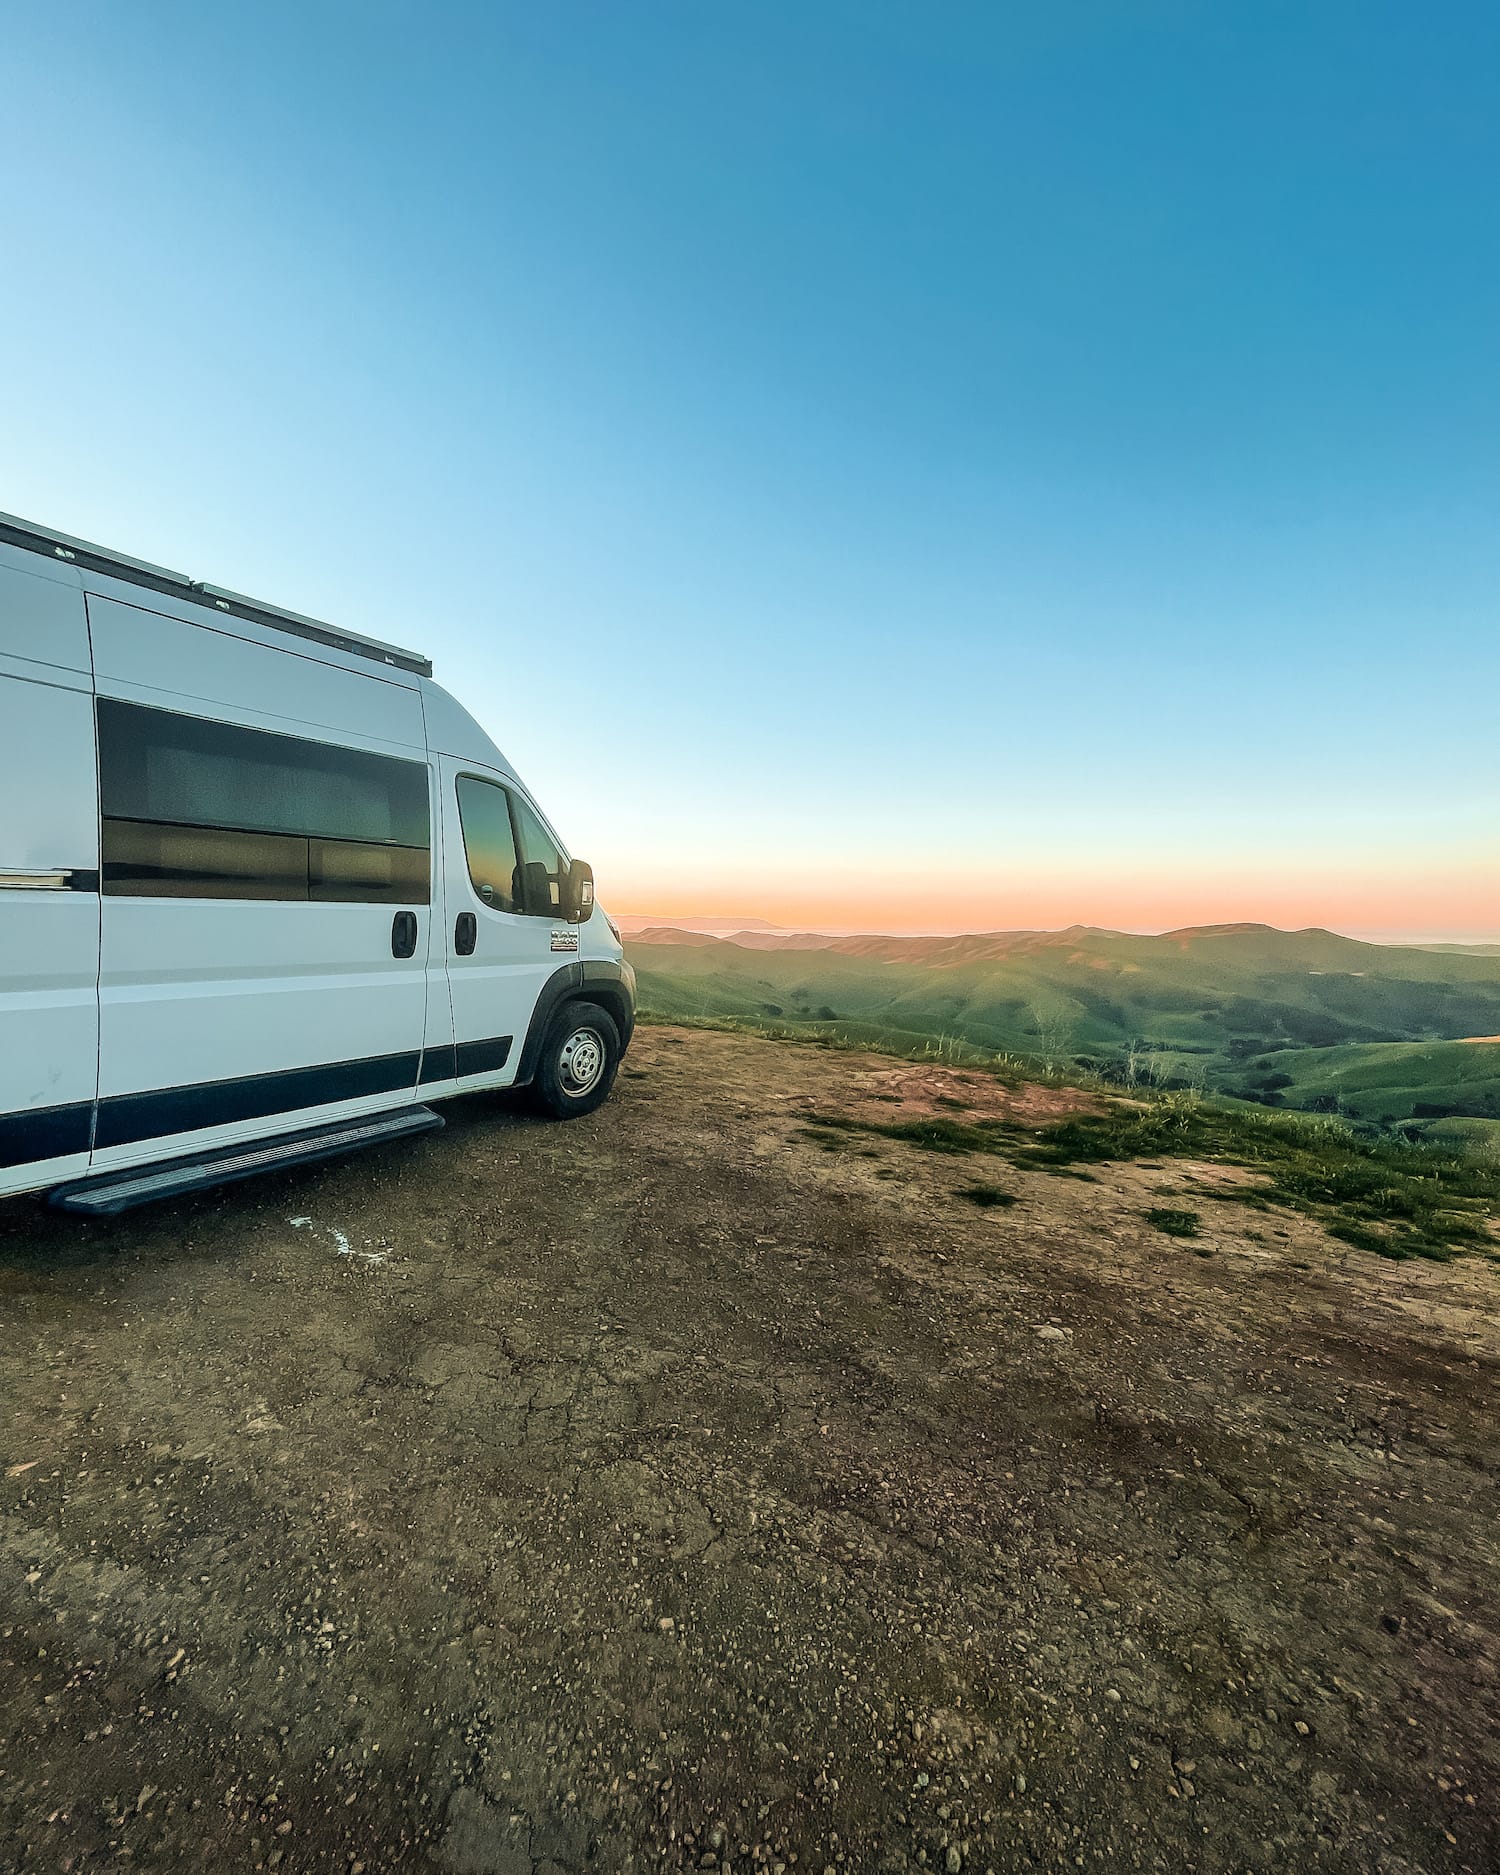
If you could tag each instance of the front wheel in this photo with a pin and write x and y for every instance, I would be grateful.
(579, 1061)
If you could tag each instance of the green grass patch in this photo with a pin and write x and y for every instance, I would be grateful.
(1363, 1238)
(1250, 1196)
(935, 1135)
(1400, 1197)
(1173, 1223)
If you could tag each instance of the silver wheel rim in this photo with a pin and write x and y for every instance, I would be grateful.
(582, 1062)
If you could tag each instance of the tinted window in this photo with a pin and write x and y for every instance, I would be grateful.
(369, 874)
(489, 841)
(155, 765)
(142, 860)
(538, 848)
(195, 809)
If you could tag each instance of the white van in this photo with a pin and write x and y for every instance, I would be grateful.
(265, 891)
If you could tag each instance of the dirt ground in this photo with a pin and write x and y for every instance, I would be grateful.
(669, 1490)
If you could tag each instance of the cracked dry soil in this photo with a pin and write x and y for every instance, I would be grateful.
(671, 1491)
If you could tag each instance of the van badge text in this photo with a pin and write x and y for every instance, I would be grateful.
(565, 940)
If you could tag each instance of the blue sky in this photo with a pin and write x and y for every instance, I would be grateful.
(900, 466)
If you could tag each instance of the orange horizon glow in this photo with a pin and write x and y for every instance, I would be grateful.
(1440, 906)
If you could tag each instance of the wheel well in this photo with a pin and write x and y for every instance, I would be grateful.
(608, 996)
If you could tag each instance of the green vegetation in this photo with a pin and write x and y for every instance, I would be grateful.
(1173, 1223)
(1304, 1020)
(1414, 1192)
(1404, 1198)
(1390, 1081)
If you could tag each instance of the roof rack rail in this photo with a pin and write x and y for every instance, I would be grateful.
(84, 554)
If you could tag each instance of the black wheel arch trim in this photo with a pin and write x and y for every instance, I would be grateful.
(595, 979)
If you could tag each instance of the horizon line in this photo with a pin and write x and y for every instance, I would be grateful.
(719, 926)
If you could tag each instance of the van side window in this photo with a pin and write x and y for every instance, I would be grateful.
(198, 809)
(489, 841)
(538, 848)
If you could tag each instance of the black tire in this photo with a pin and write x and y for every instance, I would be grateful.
(578, 1063)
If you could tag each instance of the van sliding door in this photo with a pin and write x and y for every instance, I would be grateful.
(266, 874)
(49, 883)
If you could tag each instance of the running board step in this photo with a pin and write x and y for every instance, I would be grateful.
(118, 1191)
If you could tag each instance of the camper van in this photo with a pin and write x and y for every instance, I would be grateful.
(266, 892)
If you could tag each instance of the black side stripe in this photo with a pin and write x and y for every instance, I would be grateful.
(448, 1063)
(126, 1118)
(438, 1064)
(45, 1133)
(483, 1057)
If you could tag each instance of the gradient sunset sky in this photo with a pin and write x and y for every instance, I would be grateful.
(885, 467)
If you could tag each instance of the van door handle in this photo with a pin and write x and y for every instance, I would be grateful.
(404, 934)
(47, 879)
(465, 934)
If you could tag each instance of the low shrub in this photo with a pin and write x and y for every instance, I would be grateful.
(1173, 1223)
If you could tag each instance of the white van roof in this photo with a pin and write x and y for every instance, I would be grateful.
(89, 557)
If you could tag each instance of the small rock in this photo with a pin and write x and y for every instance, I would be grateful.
(953, 1862)
(666, 1624)
(1113, 1696)
(1048, 1333)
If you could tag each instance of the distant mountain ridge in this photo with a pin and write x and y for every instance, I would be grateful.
(1239, 943)
(633, 921)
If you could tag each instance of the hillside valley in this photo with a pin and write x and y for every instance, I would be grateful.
(1309, 1019)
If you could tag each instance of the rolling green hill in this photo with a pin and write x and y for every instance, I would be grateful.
(1281, 1017)
(1395, 1080)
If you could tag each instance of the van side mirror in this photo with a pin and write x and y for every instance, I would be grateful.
(578, 891)
(534, 899)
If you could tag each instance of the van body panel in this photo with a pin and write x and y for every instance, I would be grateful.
(199, 991)
(452, 731)
(49, 878)
(204, 670)
(210, 1006)
(163, 1148)
(438, 1061)
(359, 656)
(186, 1117)
(42, 619)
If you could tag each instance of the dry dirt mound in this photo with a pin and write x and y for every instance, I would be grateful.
(870, 1088)
(680, 1490)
